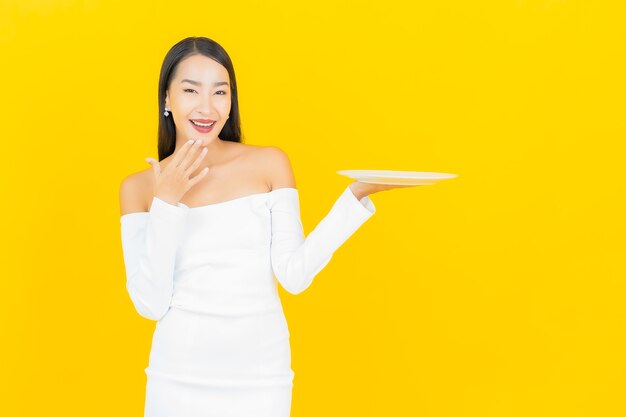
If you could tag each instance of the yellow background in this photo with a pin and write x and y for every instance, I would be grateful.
(499, 293)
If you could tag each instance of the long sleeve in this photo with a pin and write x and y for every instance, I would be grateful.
(296, 259)
(149, 242)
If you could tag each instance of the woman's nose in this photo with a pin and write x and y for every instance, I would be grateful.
(206, 105)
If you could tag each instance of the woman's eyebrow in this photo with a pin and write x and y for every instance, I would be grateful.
(198, 83)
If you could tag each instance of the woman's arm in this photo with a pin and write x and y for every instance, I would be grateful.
(296, 260)
(149, 242)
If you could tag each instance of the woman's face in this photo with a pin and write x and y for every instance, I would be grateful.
(200, 91)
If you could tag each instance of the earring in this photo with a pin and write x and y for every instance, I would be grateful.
(166, 113)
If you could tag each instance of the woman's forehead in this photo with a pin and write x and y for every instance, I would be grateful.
(202, 69)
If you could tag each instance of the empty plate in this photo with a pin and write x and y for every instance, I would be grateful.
(375, 176)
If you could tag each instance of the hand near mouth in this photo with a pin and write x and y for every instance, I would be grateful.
(174, 181)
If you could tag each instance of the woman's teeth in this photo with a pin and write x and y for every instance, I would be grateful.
(202, 124)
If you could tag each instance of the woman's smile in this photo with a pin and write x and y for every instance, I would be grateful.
(202, 127)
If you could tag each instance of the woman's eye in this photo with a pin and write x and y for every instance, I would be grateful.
(191, 89)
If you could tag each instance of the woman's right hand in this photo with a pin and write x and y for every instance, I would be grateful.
(173, 182)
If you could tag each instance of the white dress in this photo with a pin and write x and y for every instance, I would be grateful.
(206, 276)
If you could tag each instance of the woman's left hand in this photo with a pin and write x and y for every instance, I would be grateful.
(361, 189)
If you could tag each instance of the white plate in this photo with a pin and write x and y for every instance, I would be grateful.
(375, 176)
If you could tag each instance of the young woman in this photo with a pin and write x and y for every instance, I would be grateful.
(204, 232)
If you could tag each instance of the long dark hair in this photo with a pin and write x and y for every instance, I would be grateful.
(187, 47)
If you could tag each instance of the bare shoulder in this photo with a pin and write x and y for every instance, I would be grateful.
(134, 190)
(276, 167)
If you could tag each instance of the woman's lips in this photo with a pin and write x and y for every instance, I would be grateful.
(202, 129)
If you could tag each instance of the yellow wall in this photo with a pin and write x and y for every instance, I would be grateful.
(499, 293)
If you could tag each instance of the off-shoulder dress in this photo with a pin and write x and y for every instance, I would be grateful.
(208, 276)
